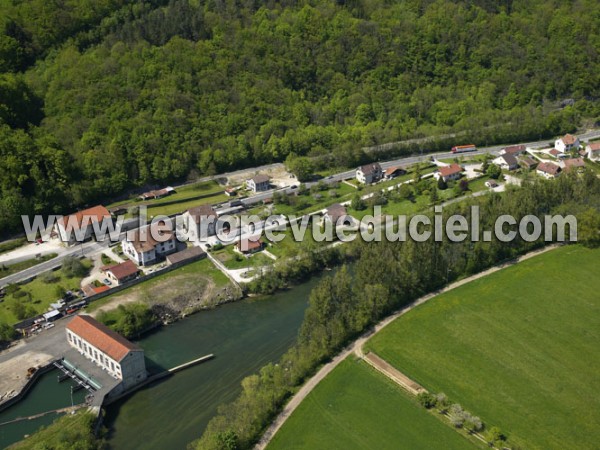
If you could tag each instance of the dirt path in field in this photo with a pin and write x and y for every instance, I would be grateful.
(357, 348)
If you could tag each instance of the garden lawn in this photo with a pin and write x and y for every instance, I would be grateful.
(233, 260)
(355, 407)
(519, 348)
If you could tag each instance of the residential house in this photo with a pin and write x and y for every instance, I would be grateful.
(593, 151)
(79, 227)
(575, 164)
(247, 246)
(369, 173)
(188, 255)
(200, 222)
(230, 192)
(259, 183)
(528, 162)
(448, 173)
(148, 245)
(548, 170)
(334, 213)
(491, 184)
(567, 143)
(507, 161)
(121, 273)
(393, 172)
(514, 150)
(107, 349)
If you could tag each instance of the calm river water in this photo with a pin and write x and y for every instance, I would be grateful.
(243, 336)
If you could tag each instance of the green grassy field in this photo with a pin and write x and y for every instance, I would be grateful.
(355, 407)
(519, 348)
(186, 197)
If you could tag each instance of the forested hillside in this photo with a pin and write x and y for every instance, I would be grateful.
(99, 96)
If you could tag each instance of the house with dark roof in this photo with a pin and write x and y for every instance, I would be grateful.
(334, 213)
(449, 173)
(148, 245)
(109, 350)
(259, 183)
(507, 162)
(121, 273)
(548, 170)
(200, 222)
(369, 173)
(567, 143)
(79, 226)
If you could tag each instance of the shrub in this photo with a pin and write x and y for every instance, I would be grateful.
(426, 400)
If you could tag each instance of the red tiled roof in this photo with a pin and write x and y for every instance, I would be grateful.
(123, 270)
(248, 245)
(548, 167)
(569, 139)
(391, 170)
(101, 337)
(554, 152)
(594, 146)
(75, 220)
(574, 162)
(450, 170)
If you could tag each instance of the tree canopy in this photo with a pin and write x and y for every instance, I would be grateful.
(97, 97)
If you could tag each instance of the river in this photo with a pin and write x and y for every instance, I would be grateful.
(243, 336)
(171, 413)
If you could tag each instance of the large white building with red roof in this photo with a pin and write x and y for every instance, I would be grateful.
(107, 349)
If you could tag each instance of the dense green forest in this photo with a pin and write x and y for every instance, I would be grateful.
(99, 96)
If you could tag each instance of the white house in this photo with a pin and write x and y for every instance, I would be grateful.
(108, 350)
(448, 173)
(78, 227)
(200, 222)
(506, 161)
(593, 151)
(145, 246)
(369, 173)
(259, 183)
(567, 143)
(548, 170)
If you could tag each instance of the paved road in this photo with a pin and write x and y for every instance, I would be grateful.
(88, 248)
